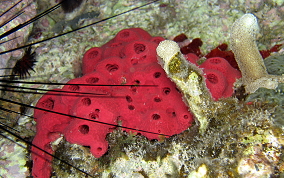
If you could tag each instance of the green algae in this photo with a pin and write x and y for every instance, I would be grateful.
(13, 157)
(275, 64)
(78, 156)
(274, 98)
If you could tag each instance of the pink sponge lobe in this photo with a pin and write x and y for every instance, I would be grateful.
(220, 77)
(192, 58)
(215, 82)
(90, 59)
(139, 51)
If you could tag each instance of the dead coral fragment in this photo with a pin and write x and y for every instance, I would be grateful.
(243, 44)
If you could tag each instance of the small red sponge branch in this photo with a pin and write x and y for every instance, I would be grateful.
(193, 47)
(266, 53)
(221, 51)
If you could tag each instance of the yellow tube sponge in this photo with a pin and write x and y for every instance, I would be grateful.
(188, 79)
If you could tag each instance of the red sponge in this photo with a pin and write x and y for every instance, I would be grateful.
(220, 77)
(122, 82)
(90, 59)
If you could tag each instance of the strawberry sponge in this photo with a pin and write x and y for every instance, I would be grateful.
(122, 86)
(122, 83)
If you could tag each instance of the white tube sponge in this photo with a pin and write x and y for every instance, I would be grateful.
(243, 44)
(166, 50)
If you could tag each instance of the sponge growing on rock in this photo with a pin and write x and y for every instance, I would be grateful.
(122, 82)
(220, 75)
